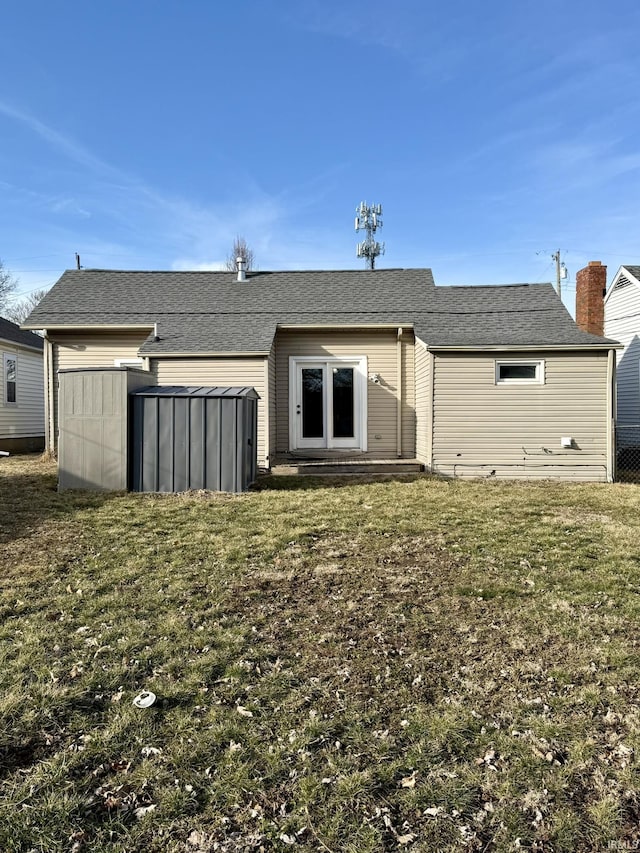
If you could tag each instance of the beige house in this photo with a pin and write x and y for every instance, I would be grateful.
(21, 389)
(468, 381)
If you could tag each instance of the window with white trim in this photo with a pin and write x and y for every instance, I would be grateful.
(527, 372)
(10, 363)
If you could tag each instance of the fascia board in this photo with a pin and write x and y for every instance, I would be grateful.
(201, 354)
(539, 348)
(100, 327)
(330, 327)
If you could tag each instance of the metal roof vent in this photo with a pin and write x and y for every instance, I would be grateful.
(241, 266)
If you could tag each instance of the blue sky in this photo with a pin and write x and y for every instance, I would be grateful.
(146, 135)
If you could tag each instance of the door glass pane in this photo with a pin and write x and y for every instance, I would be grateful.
(312, 408)
(343, 402)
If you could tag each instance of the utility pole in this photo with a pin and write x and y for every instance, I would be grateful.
(561, 271)
(368, 219)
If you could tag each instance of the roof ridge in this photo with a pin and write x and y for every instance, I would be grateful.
(249, 272)
(494, 286)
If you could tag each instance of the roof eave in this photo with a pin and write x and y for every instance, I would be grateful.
(341, 326)
(521, 347)
(20, 344)
(64, 327)
(203, 354)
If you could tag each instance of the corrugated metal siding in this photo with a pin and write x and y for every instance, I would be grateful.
(25, 418)
(423, 403)
(515, 430)
(199, 440)
(218, 371)
(622, 323)
(380, 348)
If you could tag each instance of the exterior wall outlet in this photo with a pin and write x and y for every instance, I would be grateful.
(566, 441)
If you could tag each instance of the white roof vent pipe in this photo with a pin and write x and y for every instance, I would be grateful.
(241, 266)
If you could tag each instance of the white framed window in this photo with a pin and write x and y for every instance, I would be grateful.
(10, 389)
(129, 362)
(520, 372)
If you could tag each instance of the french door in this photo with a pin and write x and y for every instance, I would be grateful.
(328, 405)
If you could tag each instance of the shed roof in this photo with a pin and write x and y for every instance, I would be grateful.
(212, 312)
(195, 391)
(11, 332)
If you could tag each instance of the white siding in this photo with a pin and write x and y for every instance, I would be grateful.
(622, 323)
(25, 417)
(218, 371)
(380, 348)
(484, 429)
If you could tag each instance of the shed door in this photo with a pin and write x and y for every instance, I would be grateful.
(328, 407)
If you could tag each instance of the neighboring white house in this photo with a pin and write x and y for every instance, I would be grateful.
(622, 322)
(21, 389)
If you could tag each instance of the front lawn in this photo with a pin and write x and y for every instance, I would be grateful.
(339, 665)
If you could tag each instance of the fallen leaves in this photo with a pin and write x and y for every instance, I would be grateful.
(408, 781)
(419, 656)
(122, 798)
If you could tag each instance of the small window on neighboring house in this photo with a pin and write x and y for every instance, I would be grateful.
(519, 372)
(10, 378)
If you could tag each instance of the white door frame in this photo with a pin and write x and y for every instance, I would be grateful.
(359, 364)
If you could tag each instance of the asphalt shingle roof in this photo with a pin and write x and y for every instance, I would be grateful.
(634, 270)
(10, 332)
(213, 312)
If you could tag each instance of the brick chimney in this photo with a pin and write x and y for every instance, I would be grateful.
(591, 285)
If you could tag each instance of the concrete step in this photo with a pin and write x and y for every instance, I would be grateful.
(334, 467)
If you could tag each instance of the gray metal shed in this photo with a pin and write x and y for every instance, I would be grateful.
(93, 417)
(193, 438)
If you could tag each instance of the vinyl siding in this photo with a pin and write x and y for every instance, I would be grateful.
(25, 417)
(408, 394)
(380, 348)
(272, 400)
(484, 429)
(91, 350)
(622, 323)
(423, 361)
(218, 371)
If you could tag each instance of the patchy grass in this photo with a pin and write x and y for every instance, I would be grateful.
(340, 666)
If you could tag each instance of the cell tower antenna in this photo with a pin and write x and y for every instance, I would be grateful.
(369, 218)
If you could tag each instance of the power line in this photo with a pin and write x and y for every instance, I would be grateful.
(27, 292)
(39, 257)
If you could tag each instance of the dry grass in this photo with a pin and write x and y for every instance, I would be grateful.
(340, 666)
